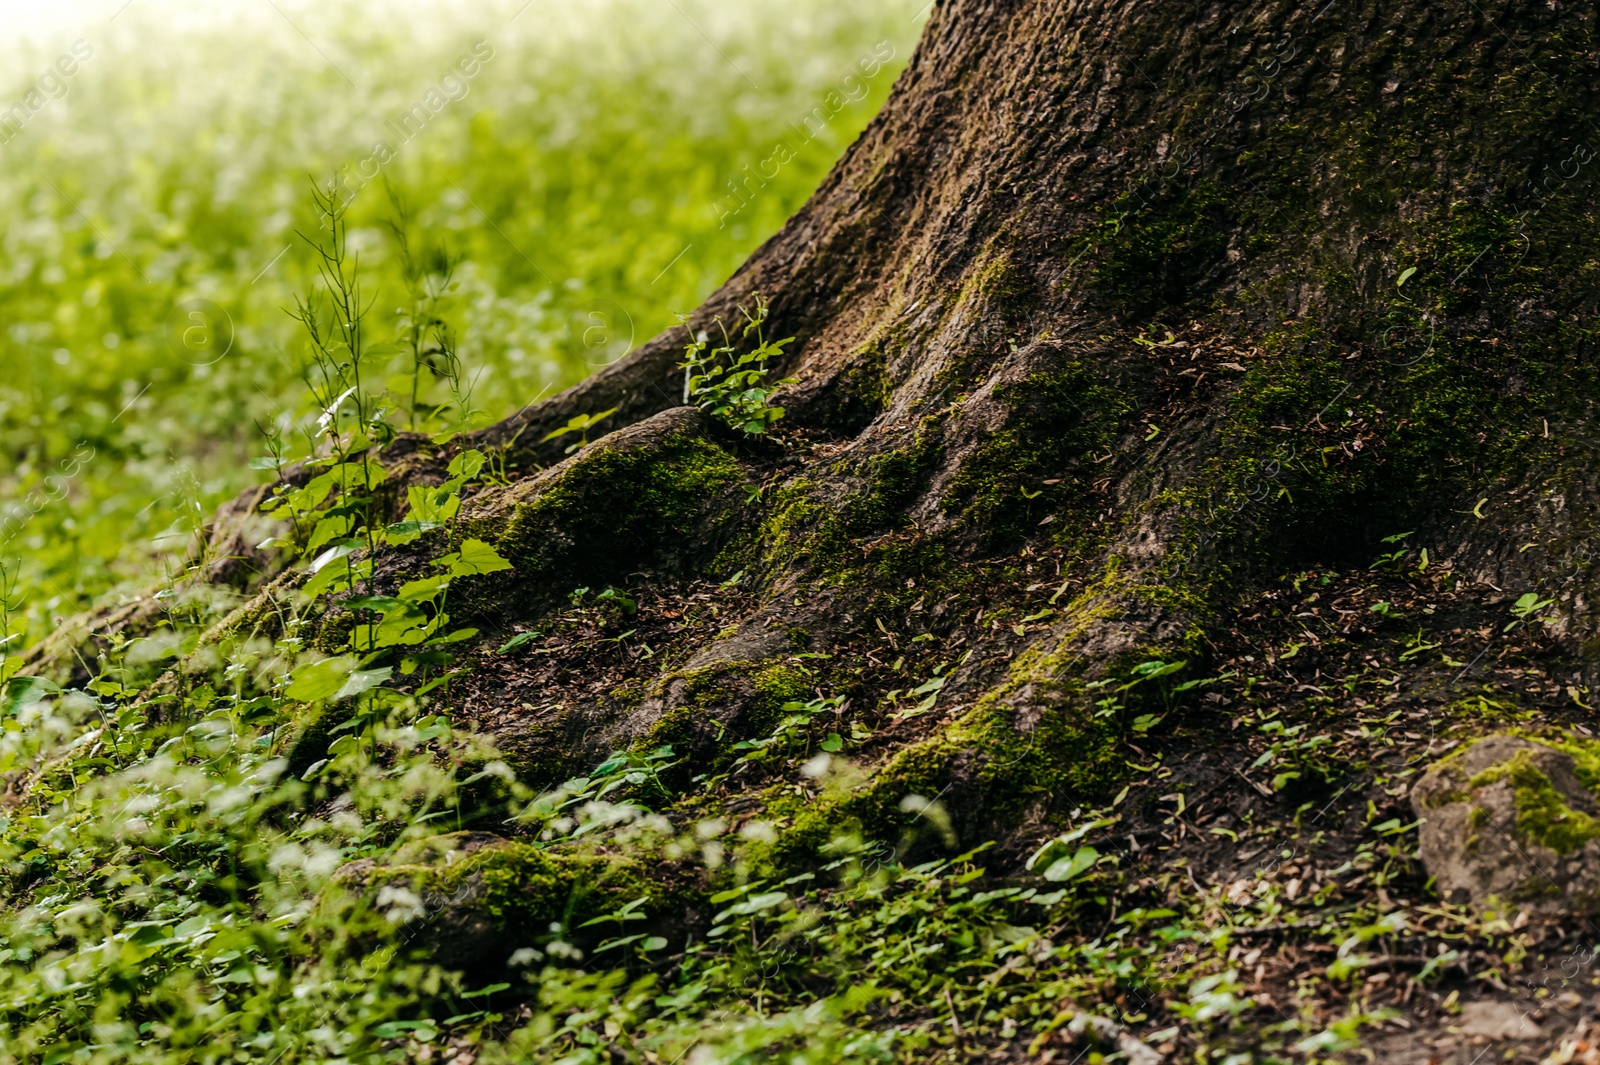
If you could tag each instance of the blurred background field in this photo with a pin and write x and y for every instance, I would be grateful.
(580, 175)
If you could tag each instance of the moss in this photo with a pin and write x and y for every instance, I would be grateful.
(894, 480)
(617, 508)
(678, 728)
(1438, 799)
(798, 528)
(1056, 420)
(1154, 248)
(1585, 756)
(526, 886)
(997, 280)
(1288, 487)
(861, 390)
(333, 634)
(522, 888)
(719, 706)
(858, 544)
(263, 615)
(1476, 820)
(982, 761)
(775, 686)
(1543, 816)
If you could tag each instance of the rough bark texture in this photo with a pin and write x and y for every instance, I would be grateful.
(1126, 333)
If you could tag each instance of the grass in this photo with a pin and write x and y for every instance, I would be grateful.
(576, 175)
(524, 192)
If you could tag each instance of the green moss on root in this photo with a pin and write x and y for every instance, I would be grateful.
(1056, 421)
(616, 508)
(738, 700)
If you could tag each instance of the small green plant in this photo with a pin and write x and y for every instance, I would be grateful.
(1393, 557)
(424, 335)
(734, 387)
(1294, 754)
(1064, 858)
(580, 424)
(1111, 706)
(926, 694)
(793, 733)
(1523, 610)
(585, 804)
(10, 603)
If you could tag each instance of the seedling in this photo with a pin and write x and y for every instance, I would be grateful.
(1527, 605)
(732, 387)
(580, 424)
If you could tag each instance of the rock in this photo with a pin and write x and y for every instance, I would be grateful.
(1498, 1020)
(470, 900)
(1510, 823)
(439, 913)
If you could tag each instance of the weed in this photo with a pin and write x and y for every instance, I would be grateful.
(733, 387)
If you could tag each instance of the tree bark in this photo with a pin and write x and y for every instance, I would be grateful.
(1118, 311)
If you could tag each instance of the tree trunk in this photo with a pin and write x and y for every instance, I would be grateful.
(1113, 317)
(1129, 335)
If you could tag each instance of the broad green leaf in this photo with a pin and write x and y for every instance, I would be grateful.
(315, 492)
(425, 590)
(1070, 868)
(1061, 846)
(336, 578)
(492, 989)
(319, 680)
(363, 680)
(384, 603)
(328, 529)
(404, 532)
(432, 504)
(330, 556)
(22, 690)
(467, 464)
(476, 558)
(521, 639)
(753, 904)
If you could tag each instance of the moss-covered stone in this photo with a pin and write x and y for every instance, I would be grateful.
(1514, 818)
(476, 898)
(1544, 817)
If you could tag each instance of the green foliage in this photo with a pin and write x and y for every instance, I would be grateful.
(557, 213)
(733, 386)
(580, 424)
(1523, 610)
(794, 733)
